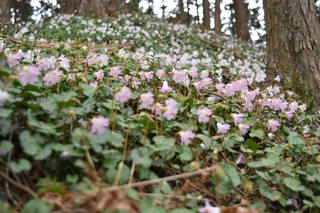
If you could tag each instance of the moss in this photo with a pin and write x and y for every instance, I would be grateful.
(296, 80)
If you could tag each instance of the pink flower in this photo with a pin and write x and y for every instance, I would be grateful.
(146, 99)
(115, 71)
(223, 128)
(99, 74)
(252, 95)
(220, 87)
(179, 76)
(103, 59)
(161, 73)
(99, 124)
(209, 209)
(193, 72)
(123, 95)
(243, 128)
(203, 84)
(157, 108)
(28, 74)
(170, 109)
(238, 118)
(52, 77)
(4, 95)
(186, 136)
(248, 106)
(43, 64)
(231, 89)
(203, 115)
(92, 59)
(64, 62)
(165, 87)
(289, 114)
(273, 125)
(13, 59)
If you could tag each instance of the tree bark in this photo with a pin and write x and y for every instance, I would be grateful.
(241, 15)
(182, 14)
(93, 8)
(293, 39)
(206, 14)
(217, 18)
(5, 12)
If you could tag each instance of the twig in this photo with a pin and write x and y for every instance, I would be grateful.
(208, 42)
(225, 98)
(18, 185)
(14, 40)
(159, 180)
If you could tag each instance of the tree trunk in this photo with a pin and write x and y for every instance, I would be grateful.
(293, 39)
(5, 12)
(93, 8)
(217, 18)
(182, 14)
(206, 14)
(241, 16)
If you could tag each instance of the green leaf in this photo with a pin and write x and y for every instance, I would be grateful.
(252, 145)
(49, 106)
(232, 173)
(116, 139)
(316, 201)
(266, 191)
(43, 127)
(44, 152)
(124, 177)
(19, 166)
(140, 156)
(147, 206)
(31, 144)
(72, 178)
(5, 113)
(163, 143)
(207, 141)
(62, 98)
(293, 184)
(89, 90)
(257, 132)
(6, 146)
(295, 140)
(186, 153)
(37, 206)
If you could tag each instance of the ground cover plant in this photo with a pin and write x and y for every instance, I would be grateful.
(179, 124)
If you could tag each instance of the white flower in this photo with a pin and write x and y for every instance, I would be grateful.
(4, 95)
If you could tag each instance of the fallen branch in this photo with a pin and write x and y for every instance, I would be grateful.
(159, 180)
(19, 185)
(113, 47)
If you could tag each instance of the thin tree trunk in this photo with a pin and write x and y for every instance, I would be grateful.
(293, 39)
(217, 18)
(206, 14)
(241, 16)
(5, 12)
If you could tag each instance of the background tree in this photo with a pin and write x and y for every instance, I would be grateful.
(217, 17)
(182, 13)
(241, 16)
(293, 39)
(93, 8)
(69, 6)
(5, 12)
(206, 14)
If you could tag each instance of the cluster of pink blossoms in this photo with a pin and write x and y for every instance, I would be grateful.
(99, 125)
(168, 111)
(123, 94)
(230, 89)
